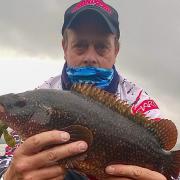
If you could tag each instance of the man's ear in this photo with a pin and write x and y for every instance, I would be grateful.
(64, 45)
(117, 49)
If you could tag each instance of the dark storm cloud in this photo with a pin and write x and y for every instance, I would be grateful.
(32, 27)
(151, 41)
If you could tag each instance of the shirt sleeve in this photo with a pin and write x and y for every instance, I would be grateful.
(51, 83)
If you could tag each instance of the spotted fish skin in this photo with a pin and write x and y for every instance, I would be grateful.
(111, 136)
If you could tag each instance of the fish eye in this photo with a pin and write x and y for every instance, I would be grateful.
(21, 103)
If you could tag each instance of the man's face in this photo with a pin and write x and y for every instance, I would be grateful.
(90, 45)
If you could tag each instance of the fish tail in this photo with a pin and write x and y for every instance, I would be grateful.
(173, 170)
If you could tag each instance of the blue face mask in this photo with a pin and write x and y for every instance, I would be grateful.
(100, 77)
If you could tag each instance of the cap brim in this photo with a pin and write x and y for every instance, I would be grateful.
(99, 11)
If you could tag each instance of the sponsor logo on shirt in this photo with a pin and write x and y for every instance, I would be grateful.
(144, 106)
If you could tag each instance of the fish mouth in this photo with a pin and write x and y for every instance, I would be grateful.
(2, 109)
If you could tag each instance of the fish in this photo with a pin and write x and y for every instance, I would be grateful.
(114, 135)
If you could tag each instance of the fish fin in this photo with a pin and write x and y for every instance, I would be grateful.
(173, 169)
(78, 132)
(9, 139)
(164, 130)
(104, 97)
(73, 162)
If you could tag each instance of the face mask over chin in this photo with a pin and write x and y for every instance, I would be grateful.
(100, 77)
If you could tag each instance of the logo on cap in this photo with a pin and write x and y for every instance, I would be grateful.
(98, 3)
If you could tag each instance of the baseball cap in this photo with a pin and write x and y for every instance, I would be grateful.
(107, 12)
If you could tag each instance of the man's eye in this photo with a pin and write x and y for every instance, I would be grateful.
(101, 47)
(80, 46)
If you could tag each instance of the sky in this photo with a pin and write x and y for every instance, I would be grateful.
(31, 52)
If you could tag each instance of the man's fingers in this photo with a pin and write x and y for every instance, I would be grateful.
(57, 178)
(118, 178)
(53, 172)
(52, 155)
(37, 142)
(134, 172)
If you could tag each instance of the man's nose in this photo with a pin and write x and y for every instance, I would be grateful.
(90, 58)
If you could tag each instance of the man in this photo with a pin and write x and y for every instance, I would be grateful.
(90, 43)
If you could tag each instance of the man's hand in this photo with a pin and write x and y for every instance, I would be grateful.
(128, 172)
(32, 162)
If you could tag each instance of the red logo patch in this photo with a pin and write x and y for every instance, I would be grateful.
(98, 3)
(145, 106)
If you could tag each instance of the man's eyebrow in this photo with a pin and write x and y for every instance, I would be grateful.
(104, 41)
(78, 41)
(100, 41)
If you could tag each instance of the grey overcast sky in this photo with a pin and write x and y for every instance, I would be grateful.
(150, 41)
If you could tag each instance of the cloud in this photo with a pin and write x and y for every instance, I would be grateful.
(22, 74)
(33, 27)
